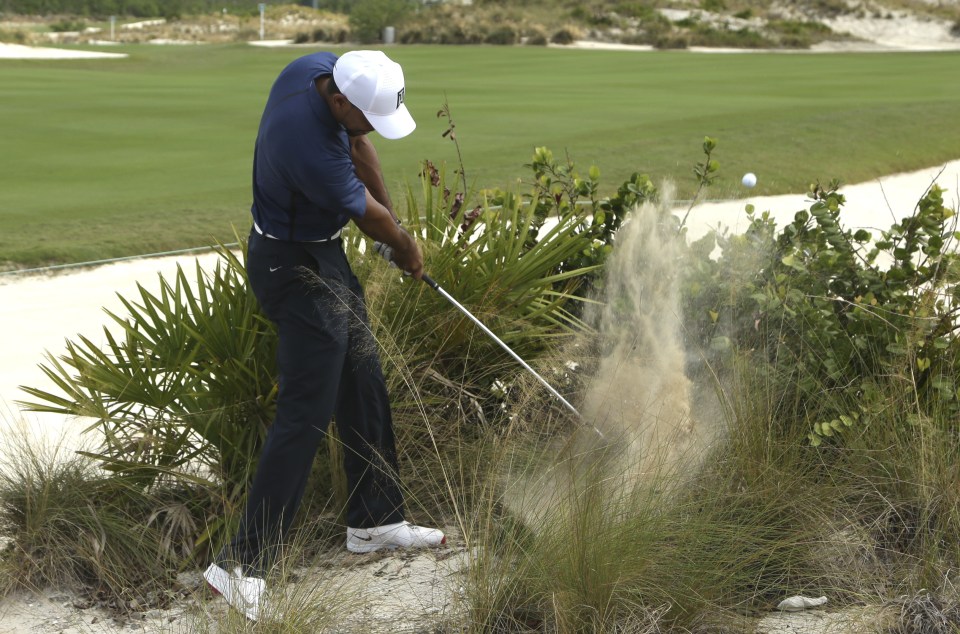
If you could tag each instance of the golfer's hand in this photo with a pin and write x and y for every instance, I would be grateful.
(409, 259)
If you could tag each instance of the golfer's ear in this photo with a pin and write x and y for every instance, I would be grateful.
(342, 102)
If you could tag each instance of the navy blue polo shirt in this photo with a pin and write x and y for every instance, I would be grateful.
(304, 183)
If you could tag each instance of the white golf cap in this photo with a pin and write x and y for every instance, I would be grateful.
(374, 83)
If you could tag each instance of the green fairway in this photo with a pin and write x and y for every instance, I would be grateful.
(153, 152)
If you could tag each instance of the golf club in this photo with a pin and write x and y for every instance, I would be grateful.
(433, 284)
(387, 253)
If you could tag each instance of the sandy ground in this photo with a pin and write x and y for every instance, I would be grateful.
(32, 311)
(898, 32)
(388, 593)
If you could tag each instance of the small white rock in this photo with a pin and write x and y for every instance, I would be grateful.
(798, 603)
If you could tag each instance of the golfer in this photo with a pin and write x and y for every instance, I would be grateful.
(315, 170)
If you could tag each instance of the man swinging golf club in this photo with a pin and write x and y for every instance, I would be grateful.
(314, 171)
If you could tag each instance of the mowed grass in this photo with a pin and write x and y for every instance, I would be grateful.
(103, 158)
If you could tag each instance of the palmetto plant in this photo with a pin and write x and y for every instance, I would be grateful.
(184, 386)
(488, 259)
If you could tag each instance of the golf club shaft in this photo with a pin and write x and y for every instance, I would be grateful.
(432, 284)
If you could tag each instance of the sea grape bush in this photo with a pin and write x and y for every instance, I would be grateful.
(836, 315)
(558, 189)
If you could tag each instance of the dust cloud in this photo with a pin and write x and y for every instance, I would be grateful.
(641, 398)
(651, 415)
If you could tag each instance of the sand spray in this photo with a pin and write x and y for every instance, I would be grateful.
(640, 396)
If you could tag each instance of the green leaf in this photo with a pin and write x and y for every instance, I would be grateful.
(943, 384)
(720, 343)
(794, 263)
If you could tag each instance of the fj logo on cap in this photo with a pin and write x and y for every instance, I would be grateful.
(400, 97)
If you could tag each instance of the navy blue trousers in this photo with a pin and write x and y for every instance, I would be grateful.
(329, 367)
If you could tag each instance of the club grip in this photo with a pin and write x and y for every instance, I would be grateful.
(429, 281)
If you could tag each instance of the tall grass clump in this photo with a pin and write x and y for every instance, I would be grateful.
(69, 524)
(575, 541)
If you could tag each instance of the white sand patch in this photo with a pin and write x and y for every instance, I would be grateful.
(604, 46)
(874, 204)
(39, 312)
(19, 51)
(899, 32)
(855, 620)
(142, 24)
(270, 43)
(173, 42)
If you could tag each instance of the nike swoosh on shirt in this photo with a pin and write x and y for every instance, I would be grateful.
(274, 269)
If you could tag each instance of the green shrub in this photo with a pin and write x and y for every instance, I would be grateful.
(184, 393)
(579, 12)
(830, 8)
(64, 26)
(671, 41)
(564, 37)
(715, 6)
(703, 35)
(832, 312)
(410, 36)
(454, 35)
(14, 37)
(536, 38)
(798, 34)
(504, 35)
(640, 10)
(369, 17)
(338, 36)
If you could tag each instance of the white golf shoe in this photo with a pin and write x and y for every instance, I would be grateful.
(245, 594)
(391, 536)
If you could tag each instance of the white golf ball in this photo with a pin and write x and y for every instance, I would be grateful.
(749, 179)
